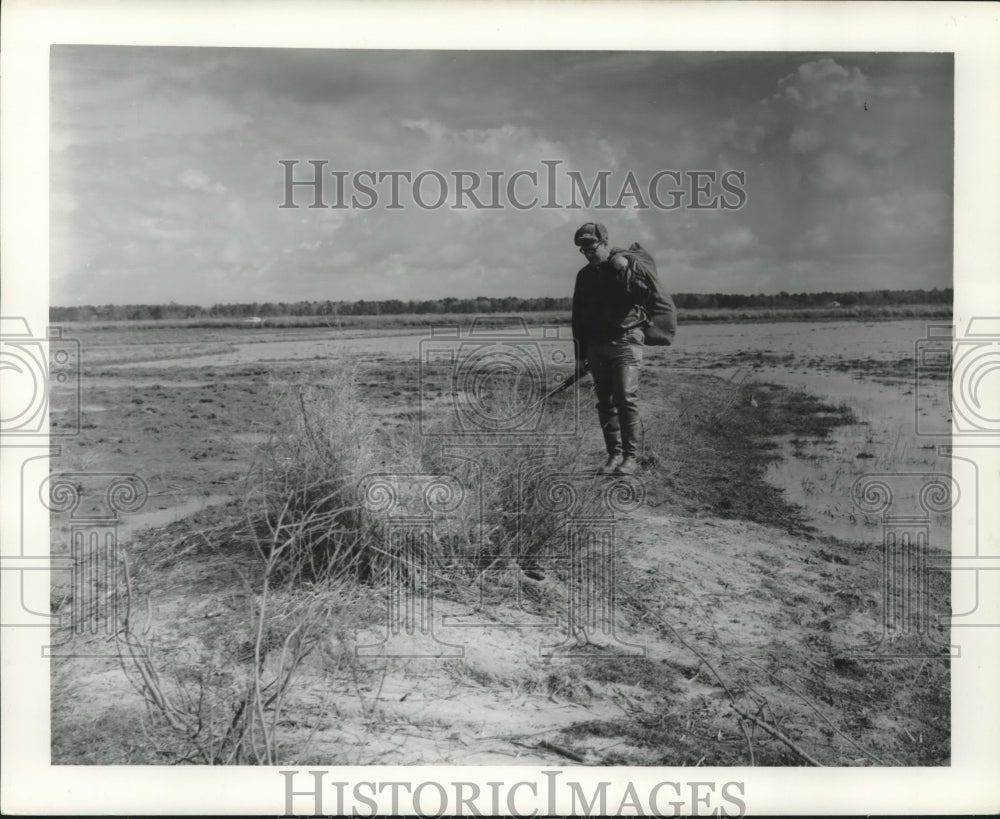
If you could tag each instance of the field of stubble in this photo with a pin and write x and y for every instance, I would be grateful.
(327, 566)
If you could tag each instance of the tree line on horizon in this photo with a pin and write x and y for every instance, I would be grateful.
(485, 305)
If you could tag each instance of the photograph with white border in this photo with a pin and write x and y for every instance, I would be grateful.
(565, 409)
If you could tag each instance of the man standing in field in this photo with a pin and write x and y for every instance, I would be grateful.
(615, 295)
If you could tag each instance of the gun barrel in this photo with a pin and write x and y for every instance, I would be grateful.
(569, 382)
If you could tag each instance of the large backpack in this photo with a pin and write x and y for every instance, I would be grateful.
(659, 307)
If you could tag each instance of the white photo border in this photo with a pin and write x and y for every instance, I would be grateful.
(969, 30)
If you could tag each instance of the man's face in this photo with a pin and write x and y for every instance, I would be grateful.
(597, 253)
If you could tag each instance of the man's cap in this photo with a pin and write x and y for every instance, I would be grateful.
(590, 233)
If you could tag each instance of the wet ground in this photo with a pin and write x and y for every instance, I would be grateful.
(187, 416)
(867, 366)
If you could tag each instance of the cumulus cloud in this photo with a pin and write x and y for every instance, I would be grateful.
(864, 167)
(911, 221)
(824, 84)
(195, 135)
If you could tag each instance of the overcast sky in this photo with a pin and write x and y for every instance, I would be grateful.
(166, 182)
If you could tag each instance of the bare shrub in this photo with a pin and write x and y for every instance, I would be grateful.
(301, 503)
(306, 541)
(304, 508)
(519, 448)
(223, 705)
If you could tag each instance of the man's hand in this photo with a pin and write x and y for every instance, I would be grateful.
(630, 278)
(582, 368)
(620, 263)
(623, 274)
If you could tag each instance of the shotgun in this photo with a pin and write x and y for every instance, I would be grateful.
(565, 385)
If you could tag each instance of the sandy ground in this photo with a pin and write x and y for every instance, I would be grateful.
(772, 612)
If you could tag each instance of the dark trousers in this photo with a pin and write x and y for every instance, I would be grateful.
(615, 367)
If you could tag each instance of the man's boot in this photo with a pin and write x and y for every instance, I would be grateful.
(614, 459)
(611, 430)
(627, 466)
(630, 445)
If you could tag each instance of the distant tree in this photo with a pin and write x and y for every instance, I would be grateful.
(485, 304)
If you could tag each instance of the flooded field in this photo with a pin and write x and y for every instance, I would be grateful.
(766, 450)
(849, 340)
(867, 366)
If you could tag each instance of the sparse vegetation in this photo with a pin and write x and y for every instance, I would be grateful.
(250, 655)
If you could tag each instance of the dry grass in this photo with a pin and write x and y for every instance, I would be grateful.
(309, 538)
(310, 533)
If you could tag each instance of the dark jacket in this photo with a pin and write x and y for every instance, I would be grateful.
(608, 302)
